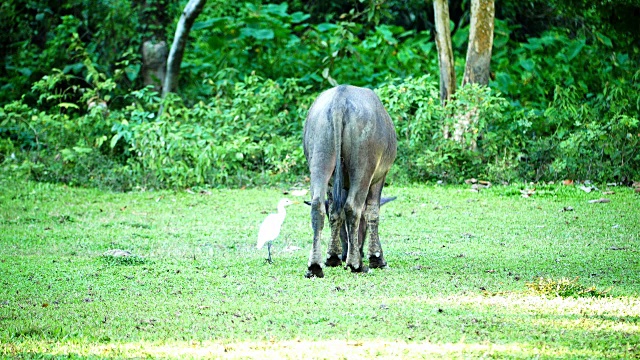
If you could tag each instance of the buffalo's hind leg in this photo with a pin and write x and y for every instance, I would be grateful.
(372, 216)
(353, 213)
(314, 268)
(336, 248)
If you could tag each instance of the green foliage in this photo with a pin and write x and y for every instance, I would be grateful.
(43, 35)
(425, 128)
(64, 138)
(246, 137)
(261, 39)
(577, 99)
(563, 102)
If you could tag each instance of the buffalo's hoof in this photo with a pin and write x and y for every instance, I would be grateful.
(377, 262)
(314, 270)
(360, 269)
(333, 261)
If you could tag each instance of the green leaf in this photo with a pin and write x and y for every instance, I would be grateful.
(75, 68)
(603, 39)
(213, 22)
(280, 10)
(26, 72)
(527, 64)
(258, 34)
(326, 27)
(574, 49)
(114, 140)
(82, 150)
(132, 71)
(298, 17)
(67, 105)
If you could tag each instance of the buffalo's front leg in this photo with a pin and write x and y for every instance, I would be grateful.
(317, 223)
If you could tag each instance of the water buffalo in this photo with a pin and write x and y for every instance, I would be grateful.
(347, 134)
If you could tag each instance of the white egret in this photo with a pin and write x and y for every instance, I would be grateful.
(270, 228)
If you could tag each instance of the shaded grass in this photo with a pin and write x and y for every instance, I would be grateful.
(459, 262)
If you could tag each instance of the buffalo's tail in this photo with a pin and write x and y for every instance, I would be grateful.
(338, 114)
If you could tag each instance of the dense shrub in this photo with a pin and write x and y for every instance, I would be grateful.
(248, 135)
(562, 104)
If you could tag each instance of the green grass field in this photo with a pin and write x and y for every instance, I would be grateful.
(196, 286)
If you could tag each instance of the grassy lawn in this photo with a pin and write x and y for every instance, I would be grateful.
(456, 286)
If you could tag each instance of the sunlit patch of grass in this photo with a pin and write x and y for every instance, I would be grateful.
(300, 349)
(564, 287)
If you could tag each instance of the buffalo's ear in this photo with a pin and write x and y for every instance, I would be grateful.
(385, 200)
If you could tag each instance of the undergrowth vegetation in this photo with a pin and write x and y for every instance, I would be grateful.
(564, 103)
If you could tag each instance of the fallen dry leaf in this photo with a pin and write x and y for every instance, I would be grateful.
(471, 181)
(567, 182)
(566, 208)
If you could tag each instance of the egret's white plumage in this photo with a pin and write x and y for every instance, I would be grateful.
(270, 228)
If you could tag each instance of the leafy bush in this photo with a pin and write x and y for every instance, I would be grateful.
(563, 104)
(250, 135)
(425, 128)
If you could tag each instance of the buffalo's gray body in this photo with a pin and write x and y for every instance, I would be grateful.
(348, 138)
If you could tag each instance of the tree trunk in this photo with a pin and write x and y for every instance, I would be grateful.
(445, 52)
(477, 68)
(154, 63)
(189, 15)
(154, 16)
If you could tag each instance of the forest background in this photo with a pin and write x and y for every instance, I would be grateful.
(562, 103)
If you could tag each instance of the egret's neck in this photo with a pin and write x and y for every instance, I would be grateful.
(281, 209)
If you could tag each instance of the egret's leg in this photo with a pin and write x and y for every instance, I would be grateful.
(269, 251)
